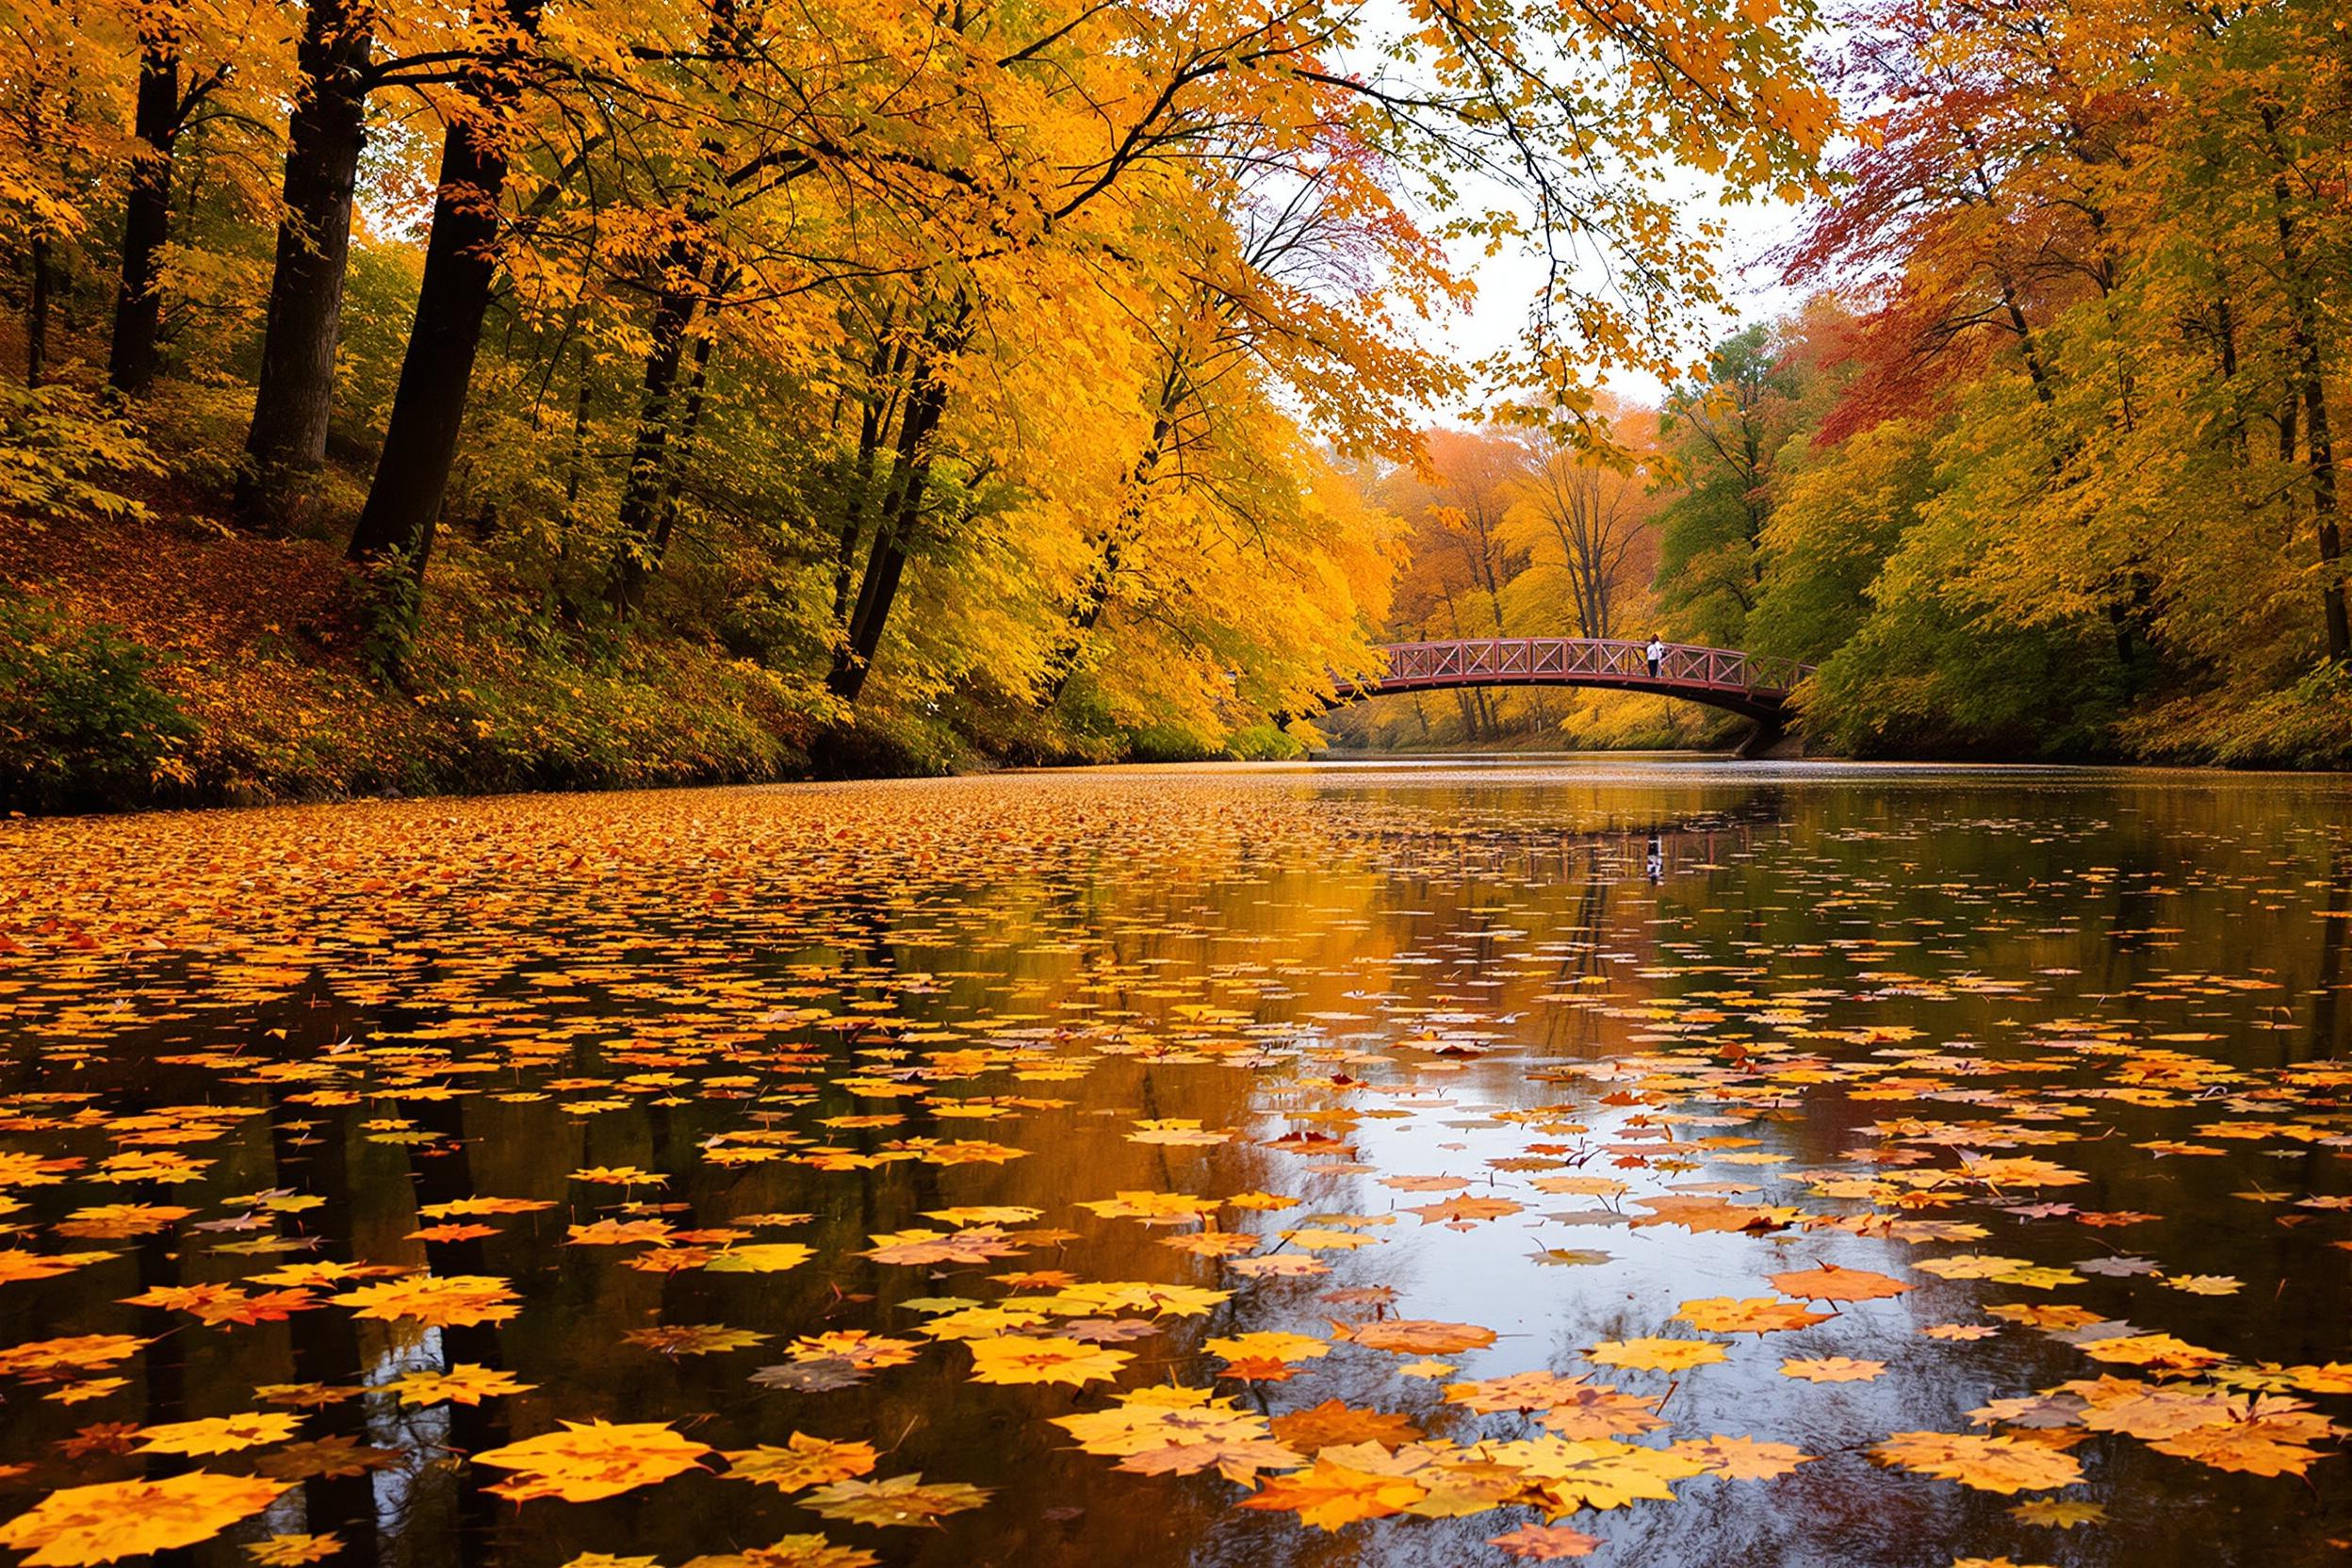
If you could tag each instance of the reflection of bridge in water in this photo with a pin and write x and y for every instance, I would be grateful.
(1755, 686)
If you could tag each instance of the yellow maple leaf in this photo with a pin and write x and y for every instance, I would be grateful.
(438, 1301)
(588, 1459)
(804, 1461)
(1657, 1355)
(1329, 1495)
(1047, 1358)
(2000, 1464)
(219, 1434)
(766, 1257)
(466, 1383)
(86, 1525)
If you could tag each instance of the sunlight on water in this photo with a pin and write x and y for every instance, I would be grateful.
(747, 1114)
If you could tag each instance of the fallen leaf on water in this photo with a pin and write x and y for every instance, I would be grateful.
(1335, 1424)
(1415, 1336)
(587, 1460)
(1833, 1283)
(803, 1461)
(85, 1525)
(220, 1434)
(1746, 1459)
(1331, 1495)
(466, 1383)
(1758, 1314)
(2002, 1464)
(1048, 1359)
(436, 1302)
(1832, 1369)
(900, 1501)
(1545, 1543)
(1657, 1355)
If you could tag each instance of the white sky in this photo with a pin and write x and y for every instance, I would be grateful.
(1749, 282)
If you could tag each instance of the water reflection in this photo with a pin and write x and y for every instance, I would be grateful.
(394, 1009)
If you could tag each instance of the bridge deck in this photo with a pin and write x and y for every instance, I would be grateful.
(1726, 676)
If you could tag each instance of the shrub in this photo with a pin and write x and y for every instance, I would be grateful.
(61, 451)
(80, 721)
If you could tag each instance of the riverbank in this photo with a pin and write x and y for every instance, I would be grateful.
(161, 660)
(168, 662)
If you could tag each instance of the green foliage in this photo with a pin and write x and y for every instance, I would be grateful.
(1929, 678)
(1262, 743)
(1843, 512)
(390, 594)
(81, 722)
(64, 455)
(1172, 742)
(2306, 725)
(649, 716)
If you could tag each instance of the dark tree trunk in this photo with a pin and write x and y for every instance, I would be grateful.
(288, 438)
(146, 220)
(875, 409)
(2310, 382)
(1094, 596)
(886, 563)
(910, 480)
(688, 422)
(37, 314)
(2323, 469)
(673, 314)
(461, 265)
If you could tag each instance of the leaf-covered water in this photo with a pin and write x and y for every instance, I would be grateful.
(1661, 1164)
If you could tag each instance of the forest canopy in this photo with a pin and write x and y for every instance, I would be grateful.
(550, 393)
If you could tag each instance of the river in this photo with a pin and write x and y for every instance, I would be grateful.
(1541, 1049)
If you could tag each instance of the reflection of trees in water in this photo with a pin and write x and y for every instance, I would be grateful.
(1990, 885)
(2325, 1033)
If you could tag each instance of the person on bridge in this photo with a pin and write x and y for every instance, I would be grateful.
(1657, 655)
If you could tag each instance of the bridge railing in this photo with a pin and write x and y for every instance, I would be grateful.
(1540, 659)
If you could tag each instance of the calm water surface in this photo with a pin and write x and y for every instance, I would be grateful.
(817, 1014)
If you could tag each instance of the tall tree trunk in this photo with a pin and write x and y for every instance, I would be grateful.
(287, 441)
(877, 408)
(37, 314)
(2321, 449)
(1094, 596)
(645, 518)
(146, 220)
(626, 589)
(461, 265)
(2309, 380)
(673, 494)
(886, 563)
(910, 480)
(640, 498)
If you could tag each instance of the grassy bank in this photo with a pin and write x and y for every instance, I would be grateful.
(153, 657)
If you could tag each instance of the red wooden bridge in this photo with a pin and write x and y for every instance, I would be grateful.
(1751, 685)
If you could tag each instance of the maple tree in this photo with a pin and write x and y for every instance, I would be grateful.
(1032, 357)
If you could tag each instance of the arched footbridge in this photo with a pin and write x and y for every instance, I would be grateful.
(1755, 686)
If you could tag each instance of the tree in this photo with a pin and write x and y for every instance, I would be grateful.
(1727, 436)
(162, 111)
(1586, 523)
(461, 263)
(295, 394)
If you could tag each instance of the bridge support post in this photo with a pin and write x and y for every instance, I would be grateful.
(1770, 738)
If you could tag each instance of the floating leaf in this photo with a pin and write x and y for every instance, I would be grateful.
(85, 1525)
(585, 1461)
